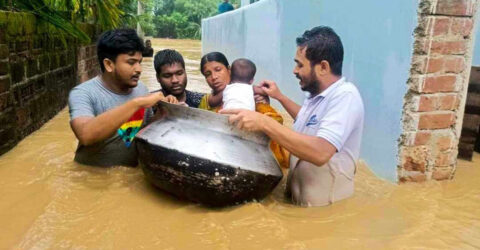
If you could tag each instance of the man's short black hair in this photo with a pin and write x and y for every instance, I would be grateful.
(243, 70)
(118, 41)
(323, 43)
(167, 57)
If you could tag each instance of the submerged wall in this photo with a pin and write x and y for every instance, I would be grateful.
(37, 71)
(378, 53)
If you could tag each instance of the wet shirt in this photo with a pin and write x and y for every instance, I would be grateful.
(91, 99)
(335, 115)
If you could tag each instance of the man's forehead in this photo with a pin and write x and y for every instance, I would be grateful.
(300, 55)
(170, 68)
(132, 54)
(301, 50)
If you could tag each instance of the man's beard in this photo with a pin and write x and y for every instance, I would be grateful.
(311, 84)
(169, 91)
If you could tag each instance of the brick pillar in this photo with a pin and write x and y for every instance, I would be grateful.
(434, 103)
(87, 63)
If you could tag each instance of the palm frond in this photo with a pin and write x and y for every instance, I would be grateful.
(108, 13)
(48, 14)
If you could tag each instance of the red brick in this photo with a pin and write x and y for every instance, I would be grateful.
(436, 121)
(4, 67)
(441, 26)
(454, 7)
(462, 26)
(436, 84)
(445, 65)
(427, 103)
(444, 143)
(454, 65)
(435, 64)
(23, 117)
(3, 51)
(415, 158)
(448, 102)
(4, 101)
(4, 84)
(442, 173)
(449, 47)
(432, 103)
(444, 159)
(421, 138)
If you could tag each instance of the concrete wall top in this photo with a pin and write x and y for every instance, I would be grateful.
(378, 42)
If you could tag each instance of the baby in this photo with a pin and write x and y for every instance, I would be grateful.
(239, 93)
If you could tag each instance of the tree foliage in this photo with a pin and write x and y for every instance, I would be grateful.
(161, 18)
(64, 14)
(182, 18)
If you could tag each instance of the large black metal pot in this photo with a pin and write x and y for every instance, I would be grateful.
(196, 155)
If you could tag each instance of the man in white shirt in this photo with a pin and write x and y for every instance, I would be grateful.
(325, 140)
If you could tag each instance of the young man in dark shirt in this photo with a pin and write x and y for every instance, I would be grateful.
(172, 76)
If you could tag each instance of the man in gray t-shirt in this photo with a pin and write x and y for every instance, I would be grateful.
(107, 111)
(91, 99)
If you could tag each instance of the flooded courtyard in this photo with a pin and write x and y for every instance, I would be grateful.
(50, 202)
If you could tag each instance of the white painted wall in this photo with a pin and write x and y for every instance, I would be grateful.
(378, 42)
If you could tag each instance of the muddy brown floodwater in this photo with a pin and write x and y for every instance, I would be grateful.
(49, 202)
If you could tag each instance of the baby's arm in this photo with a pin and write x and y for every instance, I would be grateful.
(260, 95)
(215, 100)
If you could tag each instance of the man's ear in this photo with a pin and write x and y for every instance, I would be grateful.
(109, 65)
(322, 68)
(251, 82)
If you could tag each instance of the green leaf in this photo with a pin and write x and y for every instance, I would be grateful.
(54, 17)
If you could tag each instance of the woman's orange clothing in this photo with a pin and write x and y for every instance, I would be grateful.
(280, 153)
